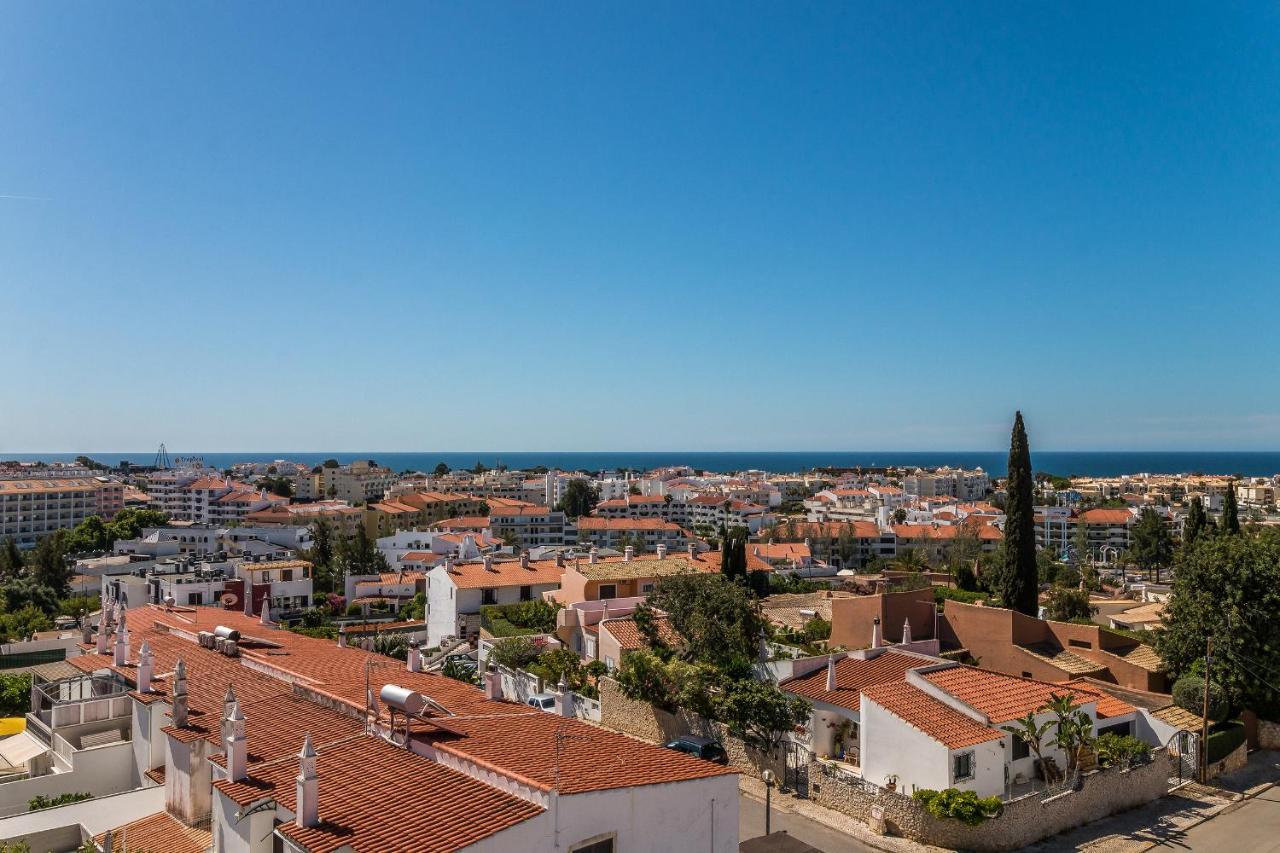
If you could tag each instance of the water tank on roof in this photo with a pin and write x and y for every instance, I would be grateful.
(222, 632)
(402, 699)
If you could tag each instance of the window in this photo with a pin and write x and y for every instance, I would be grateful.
(1026, 674)
(961, 766)
(646, 588)
(286, 574)
(489, 596)
(608, 590)
(1021, 749)
(596, 845)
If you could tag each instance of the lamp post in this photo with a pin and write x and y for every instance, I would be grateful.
(769, 779)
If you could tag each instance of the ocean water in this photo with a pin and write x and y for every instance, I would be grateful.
(1084, 463)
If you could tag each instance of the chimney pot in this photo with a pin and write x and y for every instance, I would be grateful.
(876, 640)
(662, 551)
(628, 553)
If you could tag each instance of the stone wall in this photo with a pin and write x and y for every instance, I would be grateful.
(1238, 758)
(644, 721)
(1268, 735)
(1024, 821)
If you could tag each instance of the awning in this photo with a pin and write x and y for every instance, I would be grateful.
(20, 749)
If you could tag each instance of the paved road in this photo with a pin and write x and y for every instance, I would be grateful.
(1254, 826)
(751, 825)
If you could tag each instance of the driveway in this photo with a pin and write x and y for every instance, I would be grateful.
(751, 825)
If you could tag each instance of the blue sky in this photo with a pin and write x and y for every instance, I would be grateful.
(639, 226)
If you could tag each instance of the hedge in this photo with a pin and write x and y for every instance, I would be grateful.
(1225, 739)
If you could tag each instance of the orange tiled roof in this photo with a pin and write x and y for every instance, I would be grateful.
(630, 638)
(936, 719)
(592, 523)
(159, 831)
(1001, 697)
(853, 675)
(505, 573)
(1108, 705)
(1105, 516)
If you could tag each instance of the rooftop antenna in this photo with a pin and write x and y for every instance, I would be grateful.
(162, 457)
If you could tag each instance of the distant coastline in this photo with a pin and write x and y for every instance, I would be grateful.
(1083, 463)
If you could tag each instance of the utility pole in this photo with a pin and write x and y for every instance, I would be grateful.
(1204, 722)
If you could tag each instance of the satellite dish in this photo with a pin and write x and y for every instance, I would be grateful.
(229, 599)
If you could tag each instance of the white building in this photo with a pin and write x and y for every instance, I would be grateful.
(457, 591)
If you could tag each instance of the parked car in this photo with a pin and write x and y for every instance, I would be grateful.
(542, 701)
(699, 747)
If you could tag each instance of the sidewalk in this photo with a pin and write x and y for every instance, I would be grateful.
(1170, 816)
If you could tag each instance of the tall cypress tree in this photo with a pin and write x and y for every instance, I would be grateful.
(1230, 512)
(1020, 579)
(1194, 525)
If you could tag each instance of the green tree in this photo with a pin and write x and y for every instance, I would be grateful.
(1227, 588)
(1018, 583)
(10, 559)
(440, 470)
(320, 554)
(1230, 511)
(92, 534)
(760, 713)
(23, 622)
(1151, 547)
(358, 556)
(911, 560)
(1032, 734)
(1081, 551)
(1073, 729)
(15, 695)
(1064, 604)
(579, 499)
(48, 564)
(714, 615)
(130, 521)
(1194, 525)
(514, 652)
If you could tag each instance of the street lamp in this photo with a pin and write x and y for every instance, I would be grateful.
(769, 779)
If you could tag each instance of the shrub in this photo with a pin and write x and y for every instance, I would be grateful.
(1120, 749)
(964, 806)
(515, 652)
(15, 695)
(1188, 694)
(525, 617)
(1225, 739)
(319, 632)
(964, 596)
(353, 609)
(42, 802)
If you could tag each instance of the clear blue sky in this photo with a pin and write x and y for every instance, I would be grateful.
(454, 226)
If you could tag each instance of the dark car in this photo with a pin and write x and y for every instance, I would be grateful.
(699, 747)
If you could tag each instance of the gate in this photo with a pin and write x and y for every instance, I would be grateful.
(1185, 749)
(796, 758)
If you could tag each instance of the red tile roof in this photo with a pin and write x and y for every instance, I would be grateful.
(630, 638)
(505, 573)
(159, 831)
(936, 719)
(1106, 516)
(1001, 697)
(853, 675)
(593, 523)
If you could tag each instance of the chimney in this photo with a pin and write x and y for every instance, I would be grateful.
(415, 659)
(179, 698)
(102, 633)
(693, 551)
(524, 560)
(488, 563)
(831, 672)
(627, 553)
(560, 559)
(248, 594)
(86, 630)
(564, 701)
(237, 746)
(876, 641)
(228, 699)
(592, 555)
(906, 631)
(308, 805)
(342, 636)
(265, 616)
(662, 551)
(122, 644)
(146, 668)
(493, 685)
(807, 544)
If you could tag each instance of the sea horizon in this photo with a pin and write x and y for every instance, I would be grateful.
(1096, 463)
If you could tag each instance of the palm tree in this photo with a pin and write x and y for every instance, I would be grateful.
(911, 560)
(1074, 729)
(1032, 734)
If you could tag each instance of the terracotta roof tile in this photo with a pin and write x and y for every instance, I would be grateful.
(853, 675)
(159, 831)
(936, 719)
(1001, 697)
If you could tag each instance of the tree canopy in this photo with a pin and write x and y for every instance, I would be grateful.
(714, 615)
(1152, 546)
(1227, 588)
(1230, 511)
(579, 499)
(1018, 583)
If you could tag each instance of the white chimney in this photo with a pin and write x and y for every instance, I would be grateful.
(831, 672)
(342, 636)
(122, 645)
(146, 668)
(906, 631)
(102, 634)
(662, 551)
(592, 555)
(308, 805)
(228, 699)
(415, 659)
(564, 701)
(693, 551)
(488, 563)
(248, 594)
(265, 616)
(876, 641)
(179, 698)
(627, 553)
(237, 746)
